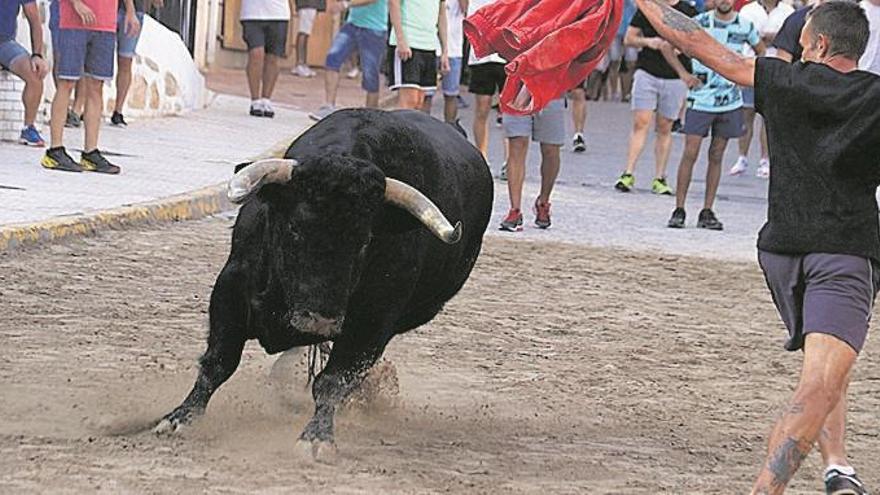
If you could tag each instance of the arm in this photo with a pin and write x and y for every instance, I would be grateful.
(442, 27)
(690, 38)
(84, 12)
(464, 5)
(397, 24)
(132, 25)
(760, 49)
(635, 39)
(38, 64)
(671, 57)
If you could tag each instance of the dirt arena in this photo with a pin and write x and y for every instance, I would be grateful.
(558, 369)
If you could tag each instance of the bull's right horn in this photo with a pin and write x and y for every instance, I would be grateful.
(405, 196)
(251, 178)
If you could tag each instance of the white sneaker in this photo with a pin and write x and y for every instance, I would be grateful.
(322, 112)
(268, 111)
(763, 169)
(311, 72)
(353, 73)
(302, 71)
(741, 165)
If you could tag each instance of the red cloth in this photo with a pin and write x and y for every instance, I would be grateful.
(552, 45)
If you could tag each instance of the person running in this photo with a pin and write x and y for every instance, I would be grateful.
(820, 247)
(364, 31)
(658, 95)
(716, 105)
(418, 30)
(30, 67)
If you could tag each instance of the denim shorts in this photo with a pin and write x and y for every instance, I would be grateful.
(545, 127)
(10, 51)
(370, 44)
(86, 53)
(125, 45)
(450, 82)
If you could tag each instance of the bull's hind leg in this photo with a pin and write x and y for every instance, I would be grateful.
(226, 341)
(349, 362)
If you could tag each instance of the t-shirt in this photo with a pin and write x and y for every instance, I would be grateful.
(717, 94)
(370, 16)
(789, 36)
(473, 6)
(9, 18)
(419, 19)
(454, 33)
(870, 60)
(629, 10)
(767, 23)
(652, 61)
(104, 10)
(265, 10)
(138, 5)
(823, 129)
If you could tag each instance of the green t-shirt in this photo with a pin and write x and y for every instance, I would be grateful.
(371, 16)
(419, 19)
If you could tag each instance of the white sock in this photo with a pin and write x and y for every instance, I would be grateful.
(258, 103)
(265, 102)
(847, 470)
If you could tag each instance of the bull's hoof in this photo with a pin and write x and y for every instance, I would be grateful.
(321, 451)
(174, 422)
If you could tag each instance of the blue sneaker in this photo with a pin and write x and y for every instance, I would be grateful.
(31, 137)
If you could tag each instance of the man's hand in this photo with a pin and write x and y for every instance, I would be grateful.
(403, 50)
(39, 66)
(444, 64)
(339, 6)
(84, 12)
(159, 4)
(132, 25)
(691, 80)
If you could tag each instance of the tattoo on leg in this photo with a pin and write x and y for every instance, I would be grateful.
(786, 460)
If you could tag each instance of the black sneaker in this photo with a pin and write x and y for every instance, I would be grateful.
(118, 120)
(837, 483)
(578, 145)
(58, 159)
(94, 161)
(677, 126)
(707, 220)
(676, 221)
(73, 120)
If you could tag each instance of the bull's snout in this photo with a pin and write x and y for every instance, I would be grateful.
(315, 324)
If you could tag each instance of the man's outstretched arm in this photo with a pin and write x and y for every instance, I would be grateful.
(686, 35)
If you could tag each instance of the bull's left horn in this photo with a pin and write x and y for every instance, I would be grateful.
(251, 178)
(412, 200)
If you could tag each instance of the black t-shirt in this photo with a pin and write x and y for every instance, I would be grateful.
(823, 129)
(789, 36)
(652, 61)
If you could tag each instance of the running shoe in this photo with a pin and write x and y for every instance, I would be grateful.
(542, 214)
(118, 120)
(322, 112)
(268, 111)
(677, 126)
(676, 221)
(503, 175)
(513, 222)
(302, 70)
(763, 171)
(353, 73)
(73, 120)
(462, 102)
(256, 109)
(837, 483)
(625, 183)
(740, 167)
(708, 220)
(58, 159)
(658, 186)
(94, 161)
(578, 145)
(31, 137)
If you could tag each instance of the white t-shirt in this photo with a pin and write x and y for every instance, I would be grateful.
(454, 34)
(473, 6)
(870, 60)
(767, 23)
(265, 10)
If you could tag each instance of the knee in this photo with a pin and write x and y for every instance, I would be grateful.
(256, 55)
(641, 124)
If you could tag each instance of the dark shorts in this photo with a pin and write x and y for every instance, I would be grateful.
(86, 53)
(831, 294)
(270, 35)
(487, 79)
(419, 71)
(727, 125)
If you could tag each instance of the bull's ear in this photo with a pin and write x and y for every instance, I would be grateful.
(391, 220)
(241, 166)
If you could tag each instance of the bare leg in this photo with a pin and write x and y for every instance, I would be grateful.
(713, 172)
(765, 154)
(614, 77)
(518, 149)
(745, 142)
(60, 104)
(372, 100)
(689, 157)
(578, 109)
(123, 81)
(410, 98)
(450, 108)
(270, 75)
(662, 146)
(827, 364)
(481, 123)
(79, 97)
(549, 170)
(641, 122)
(427, 101)
(255, 61)
(302, 45)
(832, 439)
(331, 85)
(626, 81)
(33, 88)
(92, 117)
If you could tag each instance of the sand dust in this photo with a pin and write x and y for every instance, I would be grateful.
(558, 369)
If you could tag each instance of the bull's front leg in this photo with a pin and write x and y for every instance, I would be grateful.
(349, 362)
(226, 339)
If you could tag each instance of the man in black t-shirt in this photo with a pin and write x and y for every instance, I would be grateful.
(658, 93)
(821, 243)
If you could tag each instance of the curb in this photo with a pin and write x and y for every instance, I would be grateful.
(185, 206)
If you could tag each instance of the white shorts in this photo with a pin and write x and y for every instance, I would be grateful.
(306, 20)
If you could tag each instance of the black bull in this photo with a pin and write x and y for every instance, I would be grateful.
(321, 252)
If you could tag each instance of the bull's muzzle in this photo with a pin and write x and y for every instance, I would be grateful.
(315, 324)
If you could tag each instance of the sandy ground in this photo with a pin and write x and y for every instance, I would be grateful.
(560, 368)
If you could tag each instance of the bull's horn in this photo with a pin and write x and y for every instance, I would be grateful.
(412, 200)
(251, 178)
